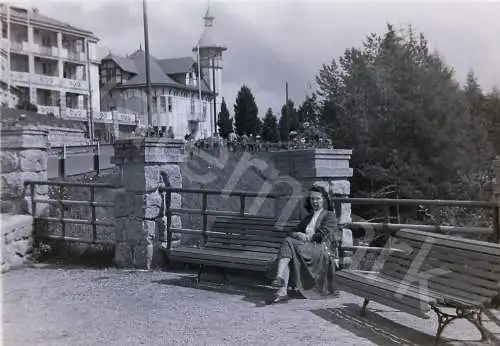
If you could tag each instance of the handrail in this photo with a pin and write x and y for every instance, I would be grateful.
(386, 202)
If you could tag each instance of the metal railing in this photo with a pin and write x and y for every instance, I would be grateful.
(388, 226)
(382, 227)
(204, 211)
(61, 203)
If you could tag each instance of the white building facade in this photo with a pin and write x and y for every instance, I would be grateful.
(182, 88)
(48, 63)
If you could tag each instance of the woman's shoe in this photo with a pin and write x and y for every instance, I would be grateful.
(278, 282)
(277, 299)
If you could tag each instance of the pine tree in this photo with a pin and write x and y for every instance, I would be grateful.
(270, 131)
(224, 122)
(246, 113)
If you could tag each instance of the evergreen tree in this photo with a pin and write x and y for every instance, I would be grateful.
(270, 131)
(405, 115)
(284, 126)
(224, 122)
(246, 113)
(288, 110)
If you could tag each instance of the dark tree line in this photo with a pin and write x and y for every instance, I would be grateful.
(414, 130)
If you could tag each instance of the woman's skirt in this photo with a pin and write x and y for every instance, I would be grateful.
(312, 267)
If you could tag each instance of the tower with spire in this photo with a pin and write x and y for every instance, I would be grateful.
(210, 51)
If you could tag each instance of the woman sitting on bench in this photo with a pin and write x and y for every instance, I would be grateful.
(308, 254)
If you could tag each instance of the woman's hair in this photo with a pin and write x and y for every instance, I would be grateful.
(327, 203)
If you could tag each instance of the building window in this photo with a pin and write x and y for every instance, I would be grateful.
(192, 105)
(163, 105)
(204, 108)
(170, 104)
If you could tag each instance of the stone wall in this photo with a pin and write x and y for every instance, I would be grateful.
(24, 157)
(17, 240)
(59, 136)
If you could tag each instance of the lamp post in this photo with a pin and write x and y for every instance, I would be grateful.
(148, 74)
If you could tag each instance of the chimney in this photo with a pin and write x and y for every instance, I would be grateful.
(35, 10)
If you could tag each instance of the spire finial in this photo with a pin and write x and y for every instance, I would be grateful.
(209, 18)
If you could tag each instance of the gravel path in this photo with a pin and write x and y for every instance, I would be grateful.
(111, 307)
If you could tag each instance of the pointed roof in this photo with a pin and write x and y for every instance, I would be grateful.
(209, 37)
(177, 65)
(124, 63)
(160, 70)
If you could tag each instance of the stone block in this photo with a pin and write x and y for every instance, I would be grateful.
(138, 177)
(41, 208)
(173, 174)
(339, 187)
(33, 160)
(10, 161)
(123, 255)
(24, 137)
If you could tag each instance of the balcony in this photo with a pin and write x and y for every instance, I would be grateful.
(78, 84)
(73, 55)
(48, 109)
(74, 114)
(45, 80)
(17, 76)
(39, 49)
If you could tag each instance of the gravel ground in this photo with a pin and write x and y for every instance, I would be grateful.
(64, 306)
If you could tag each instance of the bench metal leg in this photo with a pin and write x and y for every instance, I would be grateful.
(471, 314)
(363, 308)
(200, 271)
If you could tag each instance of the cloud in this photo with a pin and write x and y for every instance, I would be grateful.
(271, 42)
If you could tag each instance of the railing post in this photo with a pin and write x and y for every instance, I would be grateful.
(168, 213)
(242, 205)
(62, 163)
(93, 211)
(61, 206)
(204, 204)
(496, 223)
(96, 159)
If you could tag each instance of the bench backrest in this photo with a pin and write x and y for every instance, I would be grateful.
(248, 233)
(456, 267)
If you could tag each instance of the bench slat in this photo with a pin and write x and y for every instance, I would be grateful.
(224, 255)
(251, 242)
(218, 263)
(474, 275)
(414, 297)
(434, 283)
(248, 237)
(268, 250)
(254, 231)
(406, 303)
(461, 255)
(477, 246)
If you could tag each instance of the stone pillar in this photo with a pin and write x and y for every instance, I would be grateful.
(24, 157)
(326, 167)
(145, 164)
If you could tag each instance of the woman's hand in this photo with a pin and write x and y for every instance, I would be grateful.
(299, 236)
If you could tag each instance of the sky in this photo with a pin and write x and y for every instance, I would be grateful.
(271, 42)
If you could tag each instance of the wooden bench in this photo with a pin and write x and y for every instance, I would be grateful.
(241, 242)
(432, 272)
(238, 242)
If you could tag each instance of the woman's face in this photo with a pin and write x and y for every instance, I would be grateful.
(316, 200)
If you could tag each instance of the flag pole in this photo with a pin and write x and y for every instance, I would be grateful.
(148, 74)
(199, 79)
